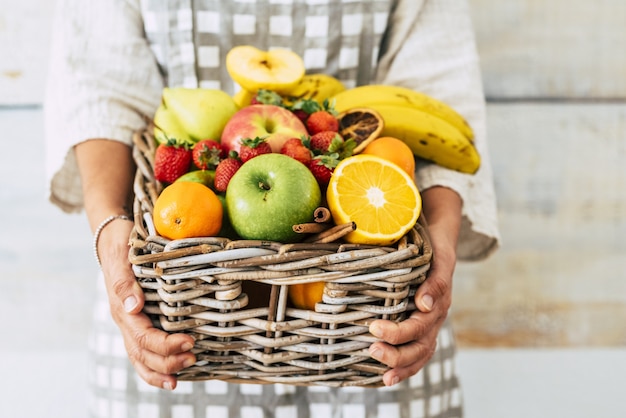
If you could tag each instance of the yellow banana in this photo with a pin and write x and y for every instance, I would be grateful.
(316, 87)
(378, 94)
(242, 98)
(429, 137)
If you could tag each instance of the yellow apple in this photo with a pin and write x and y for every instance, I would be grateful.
(193, 114)
(278, 70)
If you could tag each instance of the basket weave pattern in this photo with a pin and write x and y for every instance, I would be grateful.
(198, 286)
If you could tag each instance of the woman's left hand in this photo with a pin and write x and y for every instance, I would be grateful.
(408, 345)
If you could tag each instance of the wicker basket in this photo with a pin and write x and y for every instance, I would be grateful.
(198, 287)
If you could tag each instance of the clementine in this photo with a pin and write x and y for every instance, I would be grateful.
(306, 295)
(394, 150)
(187, 209)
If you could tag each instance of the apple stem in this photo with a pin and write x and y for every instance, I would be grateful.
(264, 186)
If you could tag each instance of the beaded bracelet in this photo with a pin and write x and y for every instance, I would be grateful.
(99, 229)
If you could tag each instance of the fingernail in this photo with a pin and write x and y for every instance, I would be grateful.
(168, 386)
(186, 346)
(188, 362)
(394, 381)
(427, 302)
(130, 303)
(376, 353)
(376, 330)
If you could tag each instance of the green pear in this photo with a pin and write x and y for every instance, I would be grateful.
(166, 126)
(199, 112)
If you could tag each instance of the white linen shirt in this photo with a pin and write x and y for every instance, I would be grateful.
(107, 73)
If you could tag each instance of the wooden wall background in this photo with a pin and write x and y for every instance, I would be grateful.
(555, 79)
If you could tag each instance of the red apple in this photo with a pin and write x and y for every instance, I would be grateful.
(274, 123)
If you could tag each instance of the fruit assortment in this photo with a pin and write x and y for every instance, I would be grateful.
(288, 145)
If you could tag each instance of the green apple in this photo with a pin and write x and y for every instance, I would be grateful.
(193, 114)
(227, 230)
(206, 177)
(270, 194)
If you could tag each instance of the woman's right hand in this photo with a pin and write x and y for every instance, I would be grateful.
(155, 354)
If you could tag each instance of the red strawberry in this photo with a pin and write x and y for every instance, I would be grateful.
(320, 121)
(296, 149)
(304, 107)
(301, 114)
(207, 154)
(321, 141)
(322, 167)
(225, 170)
(171, 160)
(251, 148)
(264, 96)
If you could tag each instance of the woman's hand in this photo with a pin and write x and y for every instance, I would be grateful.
(407, 346)
(154, 354)
(107, 172)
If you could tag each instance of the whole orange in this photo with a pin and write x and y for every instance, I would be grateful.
(187, 209)
(306, 295)
(394, 150)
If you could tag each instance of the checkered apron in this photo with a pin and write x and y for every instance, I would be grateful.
(190, 40)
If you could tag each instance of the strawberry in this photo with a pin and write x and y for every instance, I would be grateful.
(329, 142)
(320, 121)
(251, 148)
(321, 141)
(301, 114)
(322, 167)
(225, 170)
(296, 149)
(304, 107)
(207, 154)
(171, 160)
(264, 96)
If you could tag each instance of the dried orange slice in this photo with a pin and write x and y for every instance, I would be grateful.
(360, 124)
(377, 195)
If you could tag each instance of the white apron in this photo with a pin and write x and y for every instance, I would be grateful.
(190, 39)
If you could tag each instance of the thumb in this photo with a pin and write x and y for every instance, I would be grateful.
(424, 302)
(124, 289)
(436, 289)
(133, 302)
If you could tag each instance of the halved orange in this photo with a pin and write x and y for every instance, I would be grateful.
(377, 195)
(363, 125)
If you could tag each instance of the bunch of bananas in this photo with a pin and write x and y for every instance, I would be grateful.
(432, 129)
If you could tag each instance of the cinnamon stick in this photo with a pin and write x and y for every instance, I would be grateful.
(322, 214)
(311, 228)
(332, 234)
